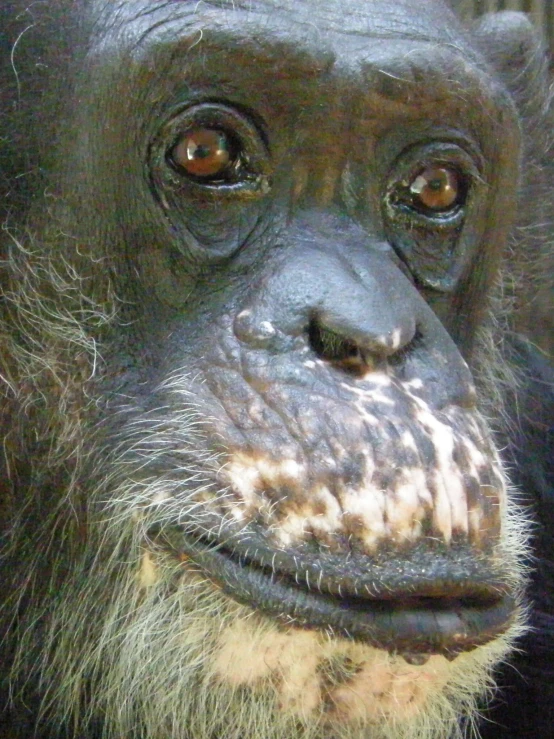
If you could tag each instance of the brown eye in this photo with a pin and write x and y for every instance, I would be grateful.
(436, 189)
(204, 152)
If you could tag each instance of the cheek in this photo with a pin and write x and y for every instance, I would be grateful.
(314, 675)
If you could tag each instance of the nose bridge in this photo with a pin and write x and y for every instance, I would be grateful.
(322, 150)
(318, 182)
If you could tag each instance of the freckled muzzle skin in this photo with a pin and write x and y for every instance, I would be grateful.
(381, 500)
(354, 460)
(368, 502)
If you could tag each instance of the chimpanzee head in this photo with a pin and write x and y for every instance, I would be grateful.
(252, 257)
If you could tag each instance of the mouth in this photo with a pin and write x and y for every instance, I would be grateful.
(445, 615)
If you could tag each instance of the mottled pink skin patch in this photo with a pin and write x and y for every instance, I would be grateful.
(393, 494)
(311, 453)
(312, 674)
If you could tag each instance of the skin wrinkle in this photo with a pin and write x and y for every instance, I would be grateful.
(296, 435)
(450, 506)
(231, 412)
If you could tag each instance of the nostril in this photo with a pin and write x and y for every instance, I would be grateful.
(399, 357)
(343, 353)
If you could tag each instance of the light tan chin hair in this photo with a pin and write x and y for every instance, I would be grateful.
(157, 651)
(171, 657)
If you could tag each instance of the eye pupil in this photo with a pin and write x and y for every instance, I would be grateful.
(197, 152)
(436, 189)
(203, 152)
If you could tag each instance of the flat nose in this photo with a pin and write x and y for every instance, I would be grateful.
(371, 313)
(352, 313)
(357, 311)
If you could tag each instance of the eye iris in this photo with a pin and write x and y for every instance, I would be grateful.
(203, 152)
(436, 188)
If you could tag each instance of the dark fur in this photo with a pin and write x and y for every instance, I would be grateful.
(524, 705)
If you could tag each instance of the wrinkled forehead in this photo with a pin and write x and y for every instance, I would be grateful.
(336, 27)
(409, 46)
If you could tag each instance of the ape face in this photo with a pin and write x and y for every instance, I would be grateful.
(264, 501)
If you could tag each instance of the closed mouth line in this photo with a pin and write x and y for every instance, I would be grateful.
(459, 619)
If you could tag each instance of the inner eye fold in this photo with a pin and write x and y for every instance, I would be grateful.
(204, 152)
(437, 189)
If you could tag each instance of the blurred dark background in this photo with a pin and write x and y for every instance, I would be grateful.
(541, 11)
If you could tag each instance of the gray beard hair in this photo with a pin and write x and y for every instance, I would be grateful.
(146, 646)
(118, 630)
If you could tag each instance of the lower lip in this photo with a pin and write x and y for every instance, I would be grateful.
(417, 625)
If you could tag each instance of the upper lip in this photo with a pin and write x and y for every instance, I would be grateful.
(440, 612)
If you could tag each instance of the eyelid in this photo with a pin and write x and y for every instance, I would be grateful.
(417, 158)
(250, 175)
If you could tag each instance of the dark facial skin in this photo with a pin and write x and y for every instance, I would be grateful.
(263, 237)
(311, 237)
